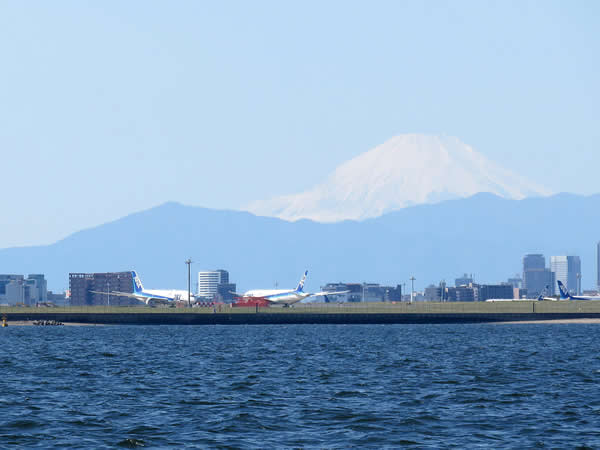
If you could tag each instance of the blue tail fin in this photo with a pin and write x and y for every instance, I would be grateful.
(564, 294)
(301, 284)
(137, 283)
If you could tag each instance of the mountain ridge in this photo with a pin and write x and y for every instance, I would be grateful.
(484, 234)
(405, 170)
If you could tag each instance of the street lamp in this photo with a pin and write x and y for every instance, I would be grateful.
(189, 264)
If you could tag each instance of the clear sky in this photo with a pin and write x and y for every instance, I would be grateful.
(111, 107)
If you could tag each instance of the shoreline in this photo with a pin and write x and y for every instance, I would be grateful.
(584, 321)
(550, 321)
(29, 323)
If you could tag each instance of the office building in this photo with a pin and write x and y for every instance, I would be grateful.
(495, 291)
(57, 299)
(462, 294)
(363, 292)
(434, 293)
(39, 287)
(353, 296)
(537, 279)
(18, 290)
(209, 282)
(567, 269)
(93, 289)
(465, 280)
(437, 293)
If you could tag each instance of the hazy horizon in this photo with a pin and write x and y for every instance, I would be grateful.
(112, 107)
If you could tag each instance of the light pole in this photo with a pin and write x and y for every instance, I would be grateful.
(108, 292)
(578, 284)
(412, 288)
(189, 264)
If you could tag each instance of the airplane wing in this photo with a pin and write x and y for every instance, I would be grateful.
(546, 299)
(116, 293)
(323, 293)
(147, 300)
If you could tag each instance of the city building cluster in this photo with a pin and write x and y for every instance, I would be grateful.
(30, 291)
(539, 278)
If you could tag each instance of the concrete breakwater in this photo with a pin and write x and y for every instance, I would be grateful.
(363, 313)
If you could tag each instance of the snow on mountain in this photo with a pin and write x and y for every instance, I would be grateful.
(406, 170)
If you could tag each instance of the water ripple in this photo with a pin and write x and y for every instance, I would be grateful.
(338, 386)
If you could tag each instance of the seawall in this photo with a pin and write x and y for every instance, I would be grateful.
(382, 313)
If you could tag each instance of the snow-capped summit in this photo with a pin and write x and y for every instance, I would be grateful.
(406, 170)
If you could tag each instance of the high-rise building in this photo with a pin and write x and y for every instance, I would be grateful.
(209, 281)
(537, 279)
(568, 270)
(16, 289)
(38, 286)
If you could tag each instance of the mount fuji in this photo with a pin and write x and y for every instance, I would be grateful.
(406, 170)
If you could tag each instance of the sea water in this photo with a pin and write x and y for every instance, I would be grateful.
(335, 386)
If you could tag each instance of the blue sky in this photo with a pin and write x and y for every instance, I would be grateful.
(120, 106)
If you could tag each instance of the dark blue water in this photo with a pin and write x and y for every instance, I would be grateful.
(301, 386)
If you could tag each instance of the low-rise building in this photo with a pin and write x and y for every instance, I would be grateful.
(462, 294)
(364, 292)
(494, 291)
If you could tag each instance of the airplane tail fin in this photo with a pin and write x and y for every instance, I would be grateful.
(564, 294)
(301, 284)
(137, 283)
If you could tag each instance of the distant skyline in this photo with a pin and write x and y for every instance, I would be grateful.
(484, 235)
(120, 106)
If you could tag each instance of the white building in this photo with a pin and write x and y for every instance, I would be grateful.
(209, 281)
(567, 269)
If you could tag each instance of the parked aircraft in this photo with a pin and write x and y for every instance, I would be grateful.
(284, 297)
(566, 295)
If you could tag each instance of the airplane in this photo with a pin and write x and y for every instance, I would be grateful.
(150, 296)
(285, 297)
(543, 296)
(566, 295)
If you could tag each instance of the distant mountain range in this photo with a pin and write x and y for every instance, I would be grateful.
(407, 170)
(485, 235)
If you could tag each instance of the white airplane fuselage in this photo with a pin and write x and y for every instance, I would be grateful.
(175, 294)
(285, 297)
